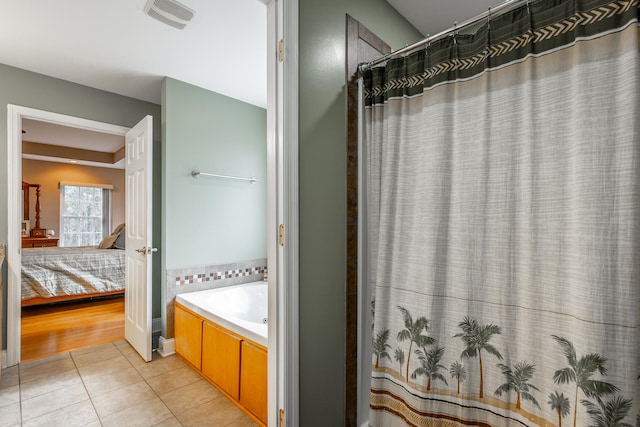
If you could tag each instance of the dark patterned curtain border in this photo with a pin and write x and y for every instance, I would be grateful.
(530, 30)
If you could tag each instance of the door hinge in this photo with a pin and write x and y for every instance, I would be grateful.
(281, 50)
(281, 417)
(281, 234)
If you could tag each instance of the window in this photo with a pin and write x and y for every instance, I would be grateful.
(85, 217)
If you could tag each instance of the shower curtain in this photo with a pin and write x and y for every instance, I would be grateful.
(503, 222)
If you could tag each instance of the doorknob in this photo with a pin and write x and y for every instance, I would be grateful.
(147, 250)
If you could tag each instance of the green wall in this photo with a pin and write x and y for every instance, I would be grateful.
(27, 89)
(322, 139)
(212, 220)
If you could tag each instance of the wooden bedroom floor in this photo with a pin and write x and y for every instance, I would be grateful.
(47, 330)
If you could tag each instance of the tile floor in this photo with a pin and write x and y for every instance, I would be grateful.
(110, 385)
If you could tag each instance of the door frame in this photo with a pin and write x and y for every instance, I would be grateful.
(15, 114)
(358, 333)
(282, 187)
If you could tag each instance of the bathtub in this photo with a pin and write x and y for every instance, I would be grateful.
(239, 308)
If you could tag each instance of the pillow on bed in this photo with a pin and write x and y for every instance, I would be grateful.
(119, 242)
(118, 229)
(108, 242)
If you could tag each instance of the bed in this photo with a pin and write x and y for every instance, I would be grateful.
(56, 274)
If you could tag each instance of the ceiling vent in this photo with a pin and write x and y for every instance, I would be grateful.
(169, 12)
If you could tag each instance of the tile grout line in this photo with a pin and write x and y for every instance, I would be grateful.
(135, 369)
(20, 383)
(151, 388)
(85, 387)
(159, 398)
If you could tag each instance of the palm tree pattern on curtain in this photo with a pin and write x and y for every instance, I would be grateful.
(430, 365)
(412, 332)
(398, 356)
(380, 346)
(476, 339)
(560, 404)
(518, 382)
(581, 371)
(458, 372)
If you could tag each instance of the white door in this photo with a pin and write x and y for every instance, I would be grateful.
(138, 249)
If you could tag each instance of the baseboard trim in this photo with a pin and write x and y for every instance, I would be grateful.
(166, 347)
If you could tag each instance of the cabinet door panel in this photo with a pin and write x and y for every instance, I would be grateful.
(222, 361)
(188, 336)
(253, 383)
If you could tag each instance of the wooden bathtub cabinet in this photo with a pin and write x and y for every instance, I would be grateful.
(188, 336)
(235, 365)
(220, 365)
(253, 381)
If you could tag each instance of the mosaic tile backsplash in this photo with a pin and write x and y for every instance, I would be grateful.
(199, 278)
(220, 275)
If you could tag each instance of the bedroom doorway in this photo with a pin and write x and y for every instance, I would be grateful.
(15, 118)
(87, 167)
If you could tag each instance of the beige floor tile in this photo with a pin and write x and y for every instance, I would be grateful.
(10, 377)
(130, 353)
(171, 422)
(106, 367)
(99, 385)
(172, 380)
(118, 400)
(216, 412)
(46, 403)
(32, 372)
(189, 396)
(244, 421)
(147, 413)
(87, 358)
(10, 415)
(93, 349)
(53, 382)
(33, 363)
(160, 366)
(79, 414)
(122, 344)
(9, 396)
(134, 358)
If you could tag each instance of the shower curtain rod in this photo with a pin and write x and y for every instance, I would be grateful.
(503, 7)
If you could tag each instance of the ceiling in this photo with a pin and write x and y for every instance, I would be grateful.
(114, 46)
(434, 16)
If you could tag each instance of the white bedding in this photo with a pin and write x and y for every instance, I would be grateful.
(54, 271)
